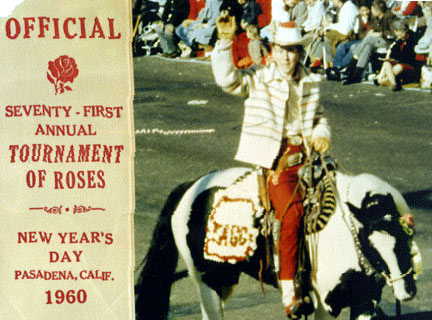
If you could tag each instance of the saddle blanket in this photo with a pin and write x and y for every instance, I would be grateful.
(232, 227)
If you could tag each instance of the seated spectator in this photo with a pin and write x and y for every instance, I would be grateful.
(195, 6)
(264, 18)
(377, 37)
(233, 8)
(284, 11)
(316, 10)
(250, 12)
(344, 52)
(174, 13)
(391, 4)
(256, 47)
(335, 33)
(400, 65)
(407, 8)
(144, 13)
(424, 45)
(201, 30)
(246, 12)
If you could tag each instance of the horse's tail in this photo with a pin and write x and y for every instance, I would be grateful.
(157, 275)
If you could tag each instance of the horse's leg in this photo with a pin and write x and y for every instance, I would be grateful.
(210, 302)
(320, 313)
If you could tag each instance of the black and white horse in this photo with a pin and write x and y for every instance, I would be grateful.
(363, 247)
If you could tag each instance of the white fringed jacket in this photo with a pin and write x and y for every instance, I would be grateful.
(266, 106)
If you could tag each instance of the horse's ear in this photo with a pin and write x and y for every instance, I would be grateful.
(357, 213)
(390, 201)
(366, 200)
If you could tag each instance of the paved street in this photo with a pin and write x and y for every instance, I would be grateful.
(186, 127)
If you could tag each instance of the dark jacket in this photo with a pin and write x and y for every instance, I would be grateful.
(175, 11)
(403, 50)
(233, 8)
(251, 11)
(383, 25)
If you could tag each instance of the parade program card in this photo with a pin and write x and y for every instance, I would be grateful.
(66, 160)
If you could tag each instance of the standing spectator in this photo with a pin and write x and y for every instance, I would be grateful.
(283, 11)
(201, 30)
(380, 30)
(400, 65)
(174, 13)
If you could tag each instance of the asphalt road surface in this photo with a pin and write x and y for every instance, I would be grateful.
(186, 127)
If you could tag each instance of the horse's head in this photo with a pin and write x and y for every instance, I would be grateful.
(387, 242)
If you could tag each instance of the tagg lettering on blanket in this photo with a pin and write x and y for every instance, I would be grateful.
(231, 234)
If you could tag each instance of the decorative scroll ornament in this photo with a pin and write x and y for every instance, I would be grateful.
(82, 209)
(52, 210)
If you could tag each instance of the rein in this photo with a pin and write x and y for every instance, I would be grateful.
(390, 280)
(363, 261)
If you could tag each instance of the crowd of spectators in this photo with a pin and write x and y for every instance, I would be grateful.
(386, 41)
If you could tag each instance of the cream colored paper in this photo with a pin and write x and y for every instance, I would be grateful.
(66, 221)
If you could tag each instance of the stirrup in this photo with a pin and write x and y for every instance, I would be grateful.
(299, 307)
(293, 311)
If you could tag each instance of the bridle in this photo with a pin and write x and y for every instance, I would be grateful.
(365, 264)
(369, 269)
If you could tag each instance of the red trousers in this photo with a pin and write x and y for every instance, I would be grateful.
(281, 191)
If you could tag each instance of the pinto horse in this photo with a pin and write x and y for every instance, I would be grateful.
(363, 246)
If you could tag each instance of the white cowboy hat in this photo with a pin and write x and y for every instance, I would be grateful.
(288, 35)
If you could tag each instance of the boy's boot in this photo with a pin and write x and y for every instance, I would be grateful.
(289, 299)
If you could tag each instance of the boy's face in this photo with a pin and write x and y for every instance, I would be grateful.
(286, 58)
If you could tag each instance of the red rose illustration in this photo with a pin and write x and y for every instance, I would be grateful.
(62, 70)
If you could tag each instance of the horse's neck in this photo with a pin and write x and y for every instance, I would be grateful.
(350, 189)
(343, 186)
(336, 242)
